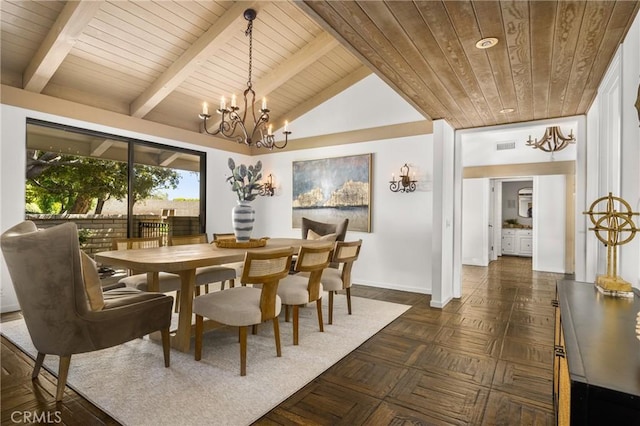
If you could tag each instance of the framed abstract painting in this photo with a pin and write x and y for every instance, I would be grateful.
(332, 189)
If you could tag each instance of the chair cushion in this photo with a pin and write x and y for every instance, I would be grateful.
(332, 279)
(238, 306)
(214, 274)
(124, 296)
(92, 285)
(168, 282)
(311, 235)
(293, 290)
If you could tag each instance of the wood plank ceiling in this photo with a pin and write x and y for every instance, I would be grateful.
(549, 60)
(159, 60)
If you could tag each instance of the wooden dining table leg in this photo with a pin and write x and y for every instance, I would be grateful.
(182, 339)
(153, 284)
(153, 281)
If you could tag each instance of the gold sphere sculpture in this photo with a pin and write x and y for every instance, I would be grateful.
(612, 219)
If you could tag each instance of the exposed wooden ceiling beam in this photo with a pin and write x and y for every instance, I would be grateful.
(393, 131)
(99, 148)
(71, 22)
(304, 57)
(167, 159)
(215, 38)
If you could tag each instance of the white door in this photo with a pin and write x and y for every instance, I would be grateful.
(495, 220)
(491, 233)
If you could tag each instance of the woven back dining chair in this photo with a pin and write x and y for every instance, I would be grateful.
(299, 289)
(245, 306)
(334, 280)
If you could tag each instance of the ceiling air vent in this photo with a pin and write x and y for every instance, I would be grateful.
(505, 145)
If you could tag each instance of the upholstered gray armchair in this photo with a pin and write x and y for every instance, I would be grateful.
(312, 230)
(321, 229)
(64, 308)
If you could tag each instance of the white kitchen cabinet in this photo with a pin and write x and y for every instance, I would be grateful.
(508, 241)
(517, 242)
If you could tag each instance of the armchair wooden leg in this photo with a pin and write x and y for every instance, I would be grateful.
(36, 368)
(254, 329)
(222, 283)
(176, 309)
(331, 307)
(349, 300)
(319, 309)
(63, 372)
(166, 346)
(232, 283)
(276, 335)
(243, 351)
(286, 313)
(199, 332)
(296, 312)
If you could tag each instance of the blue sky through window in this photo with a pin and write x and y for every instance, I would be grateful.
(189, 186)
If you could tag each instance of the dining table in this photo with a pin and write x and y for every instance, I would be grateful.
(183, 261)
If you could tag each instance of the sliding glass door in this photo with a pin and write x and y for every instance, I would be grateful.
(112, 186)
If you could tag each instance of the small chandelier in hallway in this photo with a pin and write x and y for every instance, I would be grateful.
(553, 140)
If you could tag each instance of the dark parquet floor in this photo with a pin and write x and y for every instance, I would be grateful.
(485, 359)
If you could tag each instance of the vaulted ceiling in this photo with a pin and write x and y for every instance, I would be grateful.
(160, 60)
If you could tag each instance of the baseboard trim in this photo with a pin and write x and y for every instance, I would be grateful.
(440, 304)
(391, 286)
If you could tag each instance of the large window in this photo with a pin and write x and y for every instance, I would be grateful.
(112, 186)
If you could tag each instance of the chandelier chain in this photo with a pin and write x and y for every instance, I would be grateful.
(249, 32)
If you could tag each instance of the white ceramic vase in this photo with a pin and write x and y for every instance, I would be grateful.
(243, 216)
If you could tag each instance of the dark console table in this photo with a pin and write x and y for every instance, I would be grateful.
(596, 366)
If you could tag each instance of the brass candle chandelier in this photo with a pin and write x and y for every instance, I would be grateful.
(234, 126)
(553, 140)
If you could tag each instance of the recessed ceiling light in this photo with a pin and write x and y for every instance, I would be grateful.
(486, 43)
(506, 110)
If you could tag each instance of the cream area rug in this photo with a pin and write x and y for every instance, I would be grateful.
(130, 383)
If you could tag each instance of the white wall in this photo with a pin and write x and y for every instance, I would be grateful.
(445, 181)
(368, 103)
(13, 163)
(549, 223)
(396, 254)
(629, 267)
(475, 221)
(609, 162)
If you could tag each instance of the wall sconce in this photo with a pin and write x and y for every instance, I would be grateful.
(405, 184)
(553, 140)
(267, 188)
